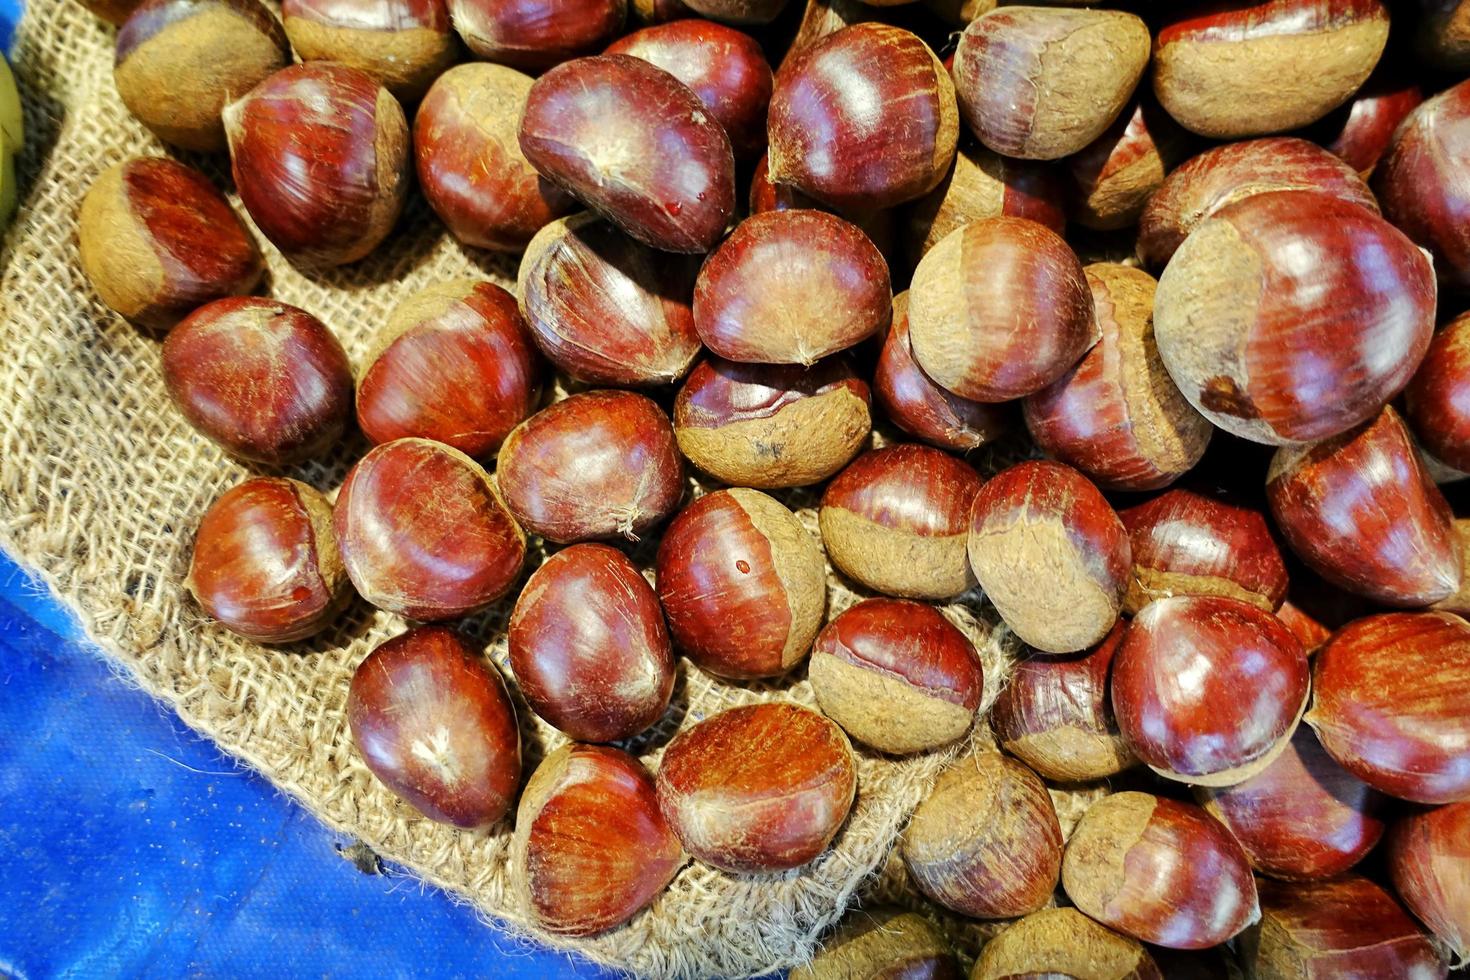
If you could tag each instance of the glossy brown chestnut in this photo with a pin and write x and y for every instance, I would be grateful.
(736, 11)
(112, 11)
(602, 464)
(1054, 715)
(999, 309)
(1429, 861)
(742, 583)
(434, 723)
(1437, 400)
(606, 309)
(1041, 83)
(1281, 351)
(1348, 927)
(920, 407)
(982, 184)
(1063, 943)
(470, 165)
(791, 287)
(263, 380)
(158, 241)
(1188, 543)
(633, 143)
(764, 196)
(864, 118)
(180, 62)
(454, 363)
(1307, 628)
(763, 787)
(1158, 870)
(1442, 35)
(588, 645)
(1423, 191)
(533, 35)
(591, 849)
(1303, 816)
(1361, 130)
(985, 842)
(1208, 689)
(424, 532)
(404, 44)
(1051, 554)
(266, 564)
(320, 157)
(897, 676)
(1392, 704)
(1244, 69)
(1361, 511)
(882, 942)
(1114, 175)
(898, 520)
(1225, 174)
(772, 425)
(724, 67)
(1116, 415)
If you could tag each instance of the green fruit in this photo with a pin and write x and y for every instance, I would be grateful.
(12, 129)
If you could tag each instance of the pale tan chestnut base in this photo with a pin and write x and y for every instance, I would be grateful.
(1147, 584)
(117, 252)
(895, 562)
(1072, 755)
(873, 943)
(882, 711)
(803, 443)
(405, 62)
(1060, 942)
(799, 566)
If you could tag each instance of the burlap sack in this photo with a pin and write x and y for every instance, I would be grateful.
(102, 484)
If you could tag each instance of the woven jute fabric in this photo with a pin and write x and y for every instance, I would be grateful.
(102, 484)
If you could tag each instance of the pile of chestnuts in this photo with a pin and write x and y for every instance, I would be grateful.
(1203, 269)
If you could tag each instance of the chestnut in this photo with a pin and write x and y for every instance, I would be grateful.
(1266, 351)
(791, 287)
(1428, 853)
(742, 583)
(1340, 928)
(1051, 554)
(724, 67)
(261, 379)
(403, 44)
(743, 12)
(1208, 689)
(1361, 130)
(898, 520)
(158, 241)
(266, 564)
(1303, 816)
(1309, 630)
(1114, 176)
(633, 143)
(533, 35)
(112, 11)
(882, 942)
(588, 645)
(470, 166)
(1459, 603)
(999, 309)
(1436, 401)
(455, 364)
(764, 787)
(821, 18)
(1159, 870)
(1189, 543)
(920, 407)
(434, 723)
(772, 425)
(897, 676)
(657, 11)
(764, 196)
(424, 532)
(1219, 177)
(1063, 942)
(606, 309)
(1245, 69)
(985, 842)
(591, 849)
(1116, 415)
(1360, 510)
(1441, 35)
(180, 62)
(1054, 715)
(1041, 83)
(982, 184)
(320, 157)
(865, 118)
(1392, 704)
(601, 464)
(1423, 191)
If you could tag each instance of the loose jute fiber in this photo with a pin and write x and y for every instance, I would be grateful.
(102, 484)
